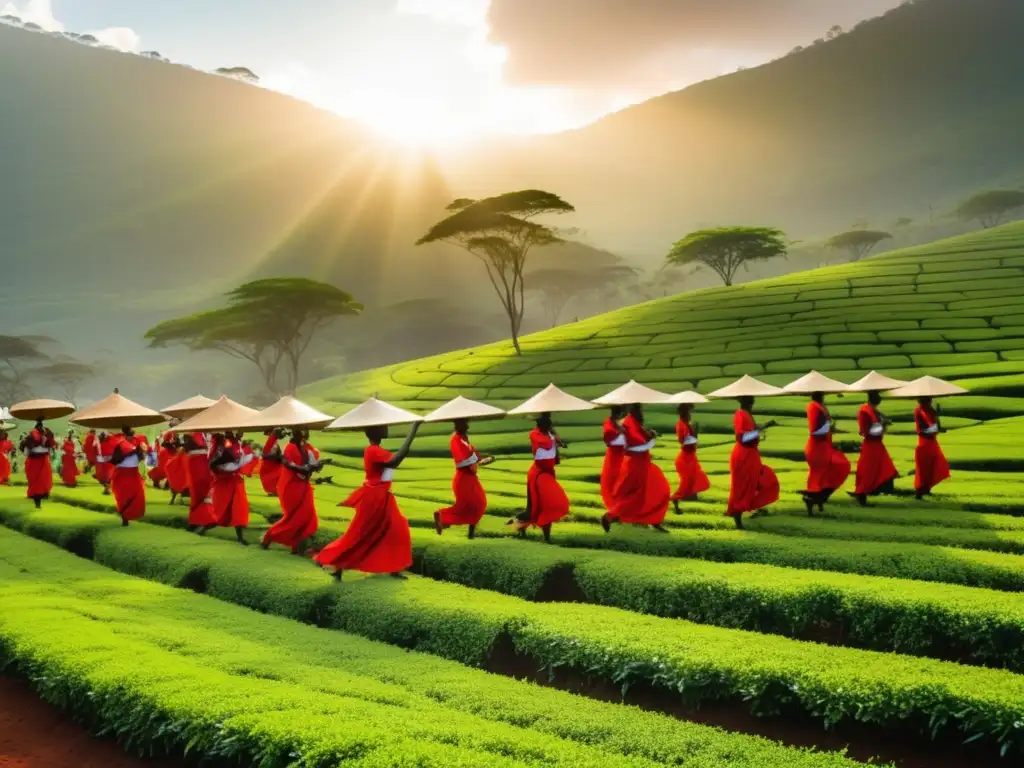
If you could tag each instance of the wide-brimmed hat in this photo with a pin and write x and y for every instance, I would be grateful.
(816, 382)
(747, 386)
(290, 413)
(5, 425)
(116, 411)
(633, 393)
(928, 386)
(463, 408)
(373, 413)
(687, 398)
(186, 409)
(40, 410)
(876, 382)
(223, 416)
(551, 400)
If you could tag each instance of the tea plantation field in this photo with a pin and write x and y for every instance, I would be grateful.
(891, 635)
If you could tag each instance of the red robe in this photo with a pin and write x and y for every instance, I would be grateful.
(753, 484)
(470, 499)
(295, 493)
(548, 502)
(874, 467)
(642, 494)
(828, 467)
(692, 479)
(930, 464)
(615, 449)
(177, 470)
(104, 468)
(200, 483)
(270, 466)
(230, 502)
(249, 469)
(68, 465)
(159, 473)
(377, 540)
(38, 469)
(126, 481)
(6, 446)
(91, 449)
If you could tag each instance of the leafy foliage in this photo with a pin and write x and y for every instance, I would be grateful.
(990, 208)
(558, 287)
(726, 249)
(858, 242)
(16, 352)
(68, 376)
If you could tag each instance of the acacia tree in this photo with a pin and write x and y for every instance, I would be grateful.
(557, 287)
(724, 250)
(857, 242)
(269, 323)
(17, 354)
(500, 231)
(68, 376)
(990, 208)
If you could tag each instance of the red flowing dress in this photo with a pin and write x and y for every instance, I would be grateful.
(91, 449)
(548, 502)
(104, 467)
(200, 482)
(38, 469)
(615, 450)
(126, 481)
(230, 502)
(470, 499)
(177, 470)
(753, 484)
(377, 540)
(253, 462)
(828, 467)
(692, 479)
(159, 473)
(930, 465)
(6, 446)
(295, 494)
(68, 465)
(874, 467)
(642, 494)
(270, 466)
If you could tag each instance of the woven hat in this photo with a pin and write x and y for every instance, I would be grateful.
(462, 408)
(116, 411)
(747, 386)
(631, 393)
(551, 400)
(374, 413)
(290, 413)
(40, 410)
(186, 409)
(815, 382)
(687, 398)
(876, 382)
(928, 386)
(223, 416)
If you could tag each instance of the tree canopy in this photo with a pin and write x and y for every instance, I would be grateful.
(68, 376)
(17, 353)
(857, 242)
(990, 208)
(268, 322)
(557, 287)
(500, 232)
(725, 249)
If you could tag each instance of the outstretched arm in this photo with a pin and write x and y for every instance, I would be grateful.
(399, 457)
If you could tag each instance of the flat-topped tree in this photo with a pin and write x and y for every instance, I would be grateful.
(725, 249)
(500, 231)
(991, 208)
(17, 353)
(557, 287)
(857, 242)
(68, 376)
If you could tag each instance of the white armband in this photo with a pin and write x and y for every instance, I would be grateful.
(753, 434)
(545, 454)
(645, 448)
(876, 429)
(823, 429)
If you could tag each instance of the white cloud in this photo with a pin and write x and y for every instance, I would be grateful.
(122, 38)
(41, 12)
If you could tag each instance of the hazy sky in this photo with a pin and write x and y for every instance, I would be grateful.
(431, 68)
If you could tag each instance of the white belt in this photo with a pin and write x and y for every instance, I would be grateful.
(823, 429)
(131, 462)
(196, 453)
(234, 466)
(618, 442)
(690, 440)
(102, 459)
(645, 448)
(876, 429)
(544, 454)
(38, 451)
(933, 429)
(468, 462)
(387, 475)
(752, 435)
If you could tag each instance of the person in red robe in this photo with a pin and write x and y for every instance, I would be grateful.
(253, 462)
(828, 468)
(91, 449)
(158, 473)
(615, 450)
(37, 445)
(104, 466)
(377, 540)
(299, 522)
(69, 461)
(270, 461)
(546, 501)
(692, 479)
(930, 465)
(6, 450)
(753, 484)
(126, 478)
(230, 502)
(876, 474)
(200, 481)
(470, 499)
(642, 494)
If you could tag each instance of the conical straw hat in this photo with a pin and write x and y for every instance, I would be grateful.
(748, 386)
(631, 393)
(928, 386)
(5, 425)
(551, 400)
(224, 415)
(462, 408)
(687, 398)
(876, 382)
(36, 410)
(186, 409)
(815, 382)
(115, 411)
(374, 413)
(290, 413)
